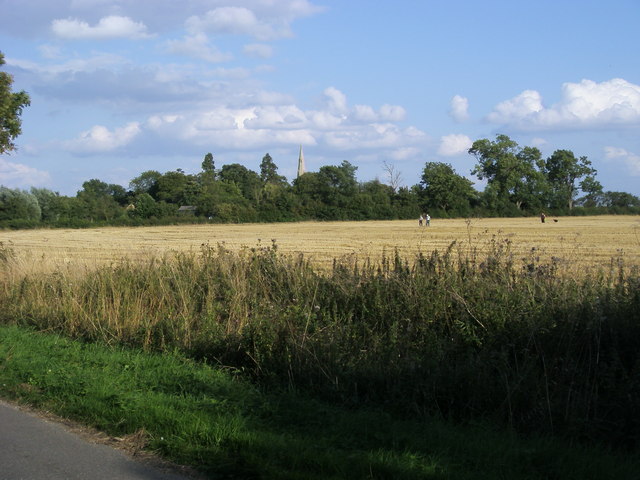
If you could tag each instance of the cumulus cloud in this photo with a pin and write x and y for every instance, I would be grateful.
(198, 46)
(459, 108)
(19, 175)
(631, 160)
(336, 126)
(454, 144)
(109, 27)
(100, 139)
(587, 104)
(518, 108)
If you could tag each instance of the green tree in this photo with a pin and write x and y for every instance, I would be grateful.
(145, 206)
(593, 192)
(224, 202)
(178, 188)
(246, 180)
(337, 188)
(373, 201)
(563, 171)
(52, 205)
(96, 201)
(208, 165)
(620, 199)
(208, 174)
(269, 171)
(146, 182)
(279, 203)
(443, 188)
(18, 205)
(11, 106)
(512, 173)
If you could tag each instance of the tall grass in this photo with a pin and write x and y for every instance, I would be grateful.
(453, 333)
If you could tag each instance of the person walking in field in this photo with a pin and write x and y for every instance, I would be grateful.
(428, 220)
(420, 220)
(542, 217)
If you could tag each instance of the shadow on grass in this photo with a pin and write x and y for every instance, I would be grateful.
(225, 427)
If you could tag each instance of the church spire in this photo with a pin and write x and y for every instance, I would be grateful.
(301, 168)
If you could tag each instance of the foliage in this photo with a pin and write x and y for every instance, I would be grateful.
(443, 188)
(563, 170)
(99, 201)
(18, 205)
(146, 182)
(11, 106)
(510, 171)
(269, 172)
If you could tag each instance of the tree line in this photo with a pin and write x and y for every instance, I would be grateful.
(519, 181)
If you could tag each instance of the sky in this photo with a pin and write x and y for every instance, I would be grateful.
(119, 87)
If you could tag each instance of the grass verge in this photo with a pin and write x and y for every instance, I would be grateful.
(224, 426)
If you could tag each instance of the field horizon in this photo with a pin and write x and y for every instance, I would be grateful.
(576, 242)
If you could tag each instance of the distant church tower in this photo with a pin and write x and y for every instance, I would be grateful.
(301, 168)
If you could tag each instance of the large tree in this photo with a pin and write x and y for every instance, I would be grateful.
(98, 201)
(177, 187)
(146, 182)
(269, 171)
(443, 188)
(563, 171)
(11, 105)
(246, 180)
(512, 172)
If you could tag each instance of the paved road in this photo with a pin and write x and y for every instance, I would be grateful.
(33, 448)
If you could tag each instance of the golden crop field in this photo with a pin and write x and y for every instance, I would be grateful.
(580, 242)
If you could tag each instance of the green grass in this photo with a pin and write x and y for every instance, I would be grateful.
(453, 334)
(217, 421)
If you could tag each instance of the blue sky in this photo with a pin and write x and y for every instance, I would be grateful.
(123, 86)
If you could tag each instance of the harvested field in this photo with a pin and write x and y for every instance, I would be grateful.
(579, 242)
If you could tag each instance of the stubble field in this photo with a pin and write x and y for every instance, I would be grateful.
(574, 243)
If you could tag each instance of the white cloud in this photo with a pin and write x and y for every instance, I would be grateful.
(236, 21)
(100, 139)
(364, 113)
(19, 175)
(264, 20)
(631, 160)
(198, 46)
(454, 144)
(518, 108)
(538, 142)
(392, 113)
(50, 51)
(587, 104)
(112, 26)
(459, 108)
(373, 136)
(280, 123)
(335, 100)
(404, 153)
(258, 50)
